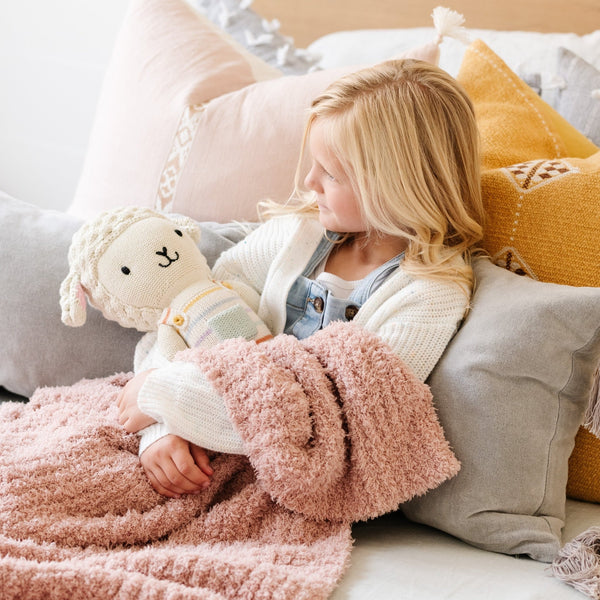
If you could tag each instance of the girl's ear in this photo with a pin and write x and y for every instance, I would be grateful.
(73, 301)
(188, 225)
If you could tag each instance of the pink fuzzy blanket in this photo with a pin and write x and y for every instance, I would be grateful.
(332, 437)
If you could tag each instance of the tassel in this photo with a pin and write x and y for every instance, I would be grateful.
(449, 23)
(578, 563)
(592, 413)
(555, 82)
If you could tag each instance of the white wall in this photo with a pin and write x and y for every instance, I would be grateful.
(53, 54)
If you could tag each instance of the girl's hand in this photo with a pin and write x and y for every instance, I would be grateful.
(130, 416)
(175, 466)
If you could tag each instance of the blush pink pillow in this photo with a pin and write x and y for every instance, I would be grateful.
(168, 60)
(189, 121)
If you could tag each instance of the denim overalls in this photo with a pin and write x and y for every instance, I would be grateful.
(310, 306)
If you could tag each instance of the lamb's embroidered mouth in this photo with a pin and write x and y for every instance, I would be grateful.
(165, 254)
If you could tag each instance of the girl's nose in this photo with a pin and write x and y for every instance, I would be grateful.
(311, 182)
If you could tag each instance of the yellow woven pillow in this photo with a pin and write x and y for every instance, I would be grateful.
(515, 123)
(541, 188)
(544, 219)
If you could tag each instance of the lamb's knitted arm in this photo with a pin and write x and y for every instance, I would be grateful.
(147, 355)
(249, 295)
(169, 341)
(185, 404)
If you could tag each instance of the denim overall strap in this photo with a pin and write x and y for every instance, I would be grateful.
(321, 252)
(374, 279)
(306, 298)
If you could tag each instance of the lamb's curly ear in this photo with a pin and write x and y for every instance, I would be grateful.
(188, 225)
(73, 301)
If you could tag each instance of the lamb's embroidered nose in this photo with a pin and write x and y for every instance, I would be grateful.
(164, 253)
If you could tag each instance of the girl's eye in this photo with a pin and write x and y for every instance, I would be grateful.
(125, 270)
(327, 174)
(178, 232)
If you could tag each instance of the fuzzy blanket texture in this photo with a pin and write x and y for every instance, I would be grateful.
(332, 437)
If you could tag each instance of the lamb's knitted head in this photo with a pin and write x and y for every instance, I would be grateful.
(130, 263)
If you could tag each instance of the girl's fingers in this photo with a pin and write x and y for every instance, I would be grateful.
(170, 478)
(189, 475)
(170, 464)
(174, 481)
(201, 459)
(158, 486)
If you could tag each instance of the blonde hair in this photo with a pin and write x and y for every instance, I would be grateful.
(404, 132)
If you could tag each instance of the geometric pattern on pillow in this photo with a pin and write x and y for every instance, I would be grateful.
(180, 151)
(546, 212)
(526, 178)
(510, 390)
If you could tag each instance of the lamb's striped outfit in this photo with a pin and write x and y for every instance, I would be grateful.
(209, 312)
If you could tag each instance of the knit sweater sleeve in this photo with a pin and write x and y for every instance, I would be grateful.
(418, 322)
(248, 262)
(185, 404)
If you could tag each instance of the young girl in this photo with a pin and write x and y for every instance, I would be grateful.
(382, 237)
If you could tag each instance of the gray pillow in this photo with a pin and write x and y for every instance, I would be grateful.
(573, 98)
(37, 349)
(511, 390)
(258, 35)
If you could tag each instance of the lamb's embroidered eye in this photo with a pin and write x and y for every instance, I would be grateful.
(125, 270)
(178, 232)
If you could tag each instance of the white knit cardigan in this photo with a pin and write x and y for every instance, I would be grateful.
(417, 317)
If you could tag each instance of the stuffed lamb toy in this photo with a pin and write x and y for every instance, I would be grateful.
(143, 269)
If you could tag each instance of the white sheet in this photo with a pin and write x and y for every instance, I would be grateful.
(396, 559)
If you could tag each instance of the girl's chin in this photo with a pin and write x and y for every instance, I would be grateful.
(327, 222)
